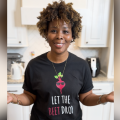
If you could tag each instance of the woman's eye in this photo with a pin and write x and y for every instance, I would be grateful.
(53, 31)
(65, 31)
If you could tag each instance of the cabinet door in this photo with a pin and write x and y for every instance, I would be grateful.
(95, 31)
(97, 22)
(26, 113)
(16, 33)
(111, 111)
(11, 25)
(14, 111)
(99, 112)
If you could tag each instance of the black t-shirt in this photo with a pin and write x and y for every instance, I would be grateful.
(57, 96)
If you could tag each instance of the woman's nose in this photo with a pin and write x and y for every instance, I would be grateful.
(59, 35)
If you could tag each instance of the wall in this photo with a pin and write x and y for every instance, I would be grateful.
(39, 46)
(43, 4)
(107, 54)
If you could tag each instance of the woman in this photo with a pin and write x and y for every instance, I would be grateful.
(57, 80)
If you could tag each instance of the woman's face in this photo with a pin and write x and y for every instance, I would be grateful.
(59, 36)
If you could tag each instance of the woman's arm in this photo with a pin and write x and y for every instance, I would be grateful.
(26, 98)
(90, 99)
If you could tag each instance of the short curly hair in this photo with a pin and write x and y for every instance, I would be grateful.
(62, 11)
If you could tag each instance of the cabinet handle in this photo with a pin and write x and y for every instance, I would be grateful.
(97, 89)
(12, 91)
(19, 41)
(86, 42)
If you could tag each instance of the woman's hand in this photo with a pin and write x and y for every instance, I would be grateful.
(9, 97)
(110, 97)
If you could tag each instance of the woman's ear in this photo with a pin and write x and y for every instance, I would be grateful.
(72, 40)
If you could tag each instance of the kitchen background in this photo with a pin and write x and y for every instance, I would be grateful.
(38, 44)
(22, 21)
(96, 40)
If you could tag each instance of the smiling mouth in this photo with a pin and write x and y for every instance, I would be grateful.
(59, 45)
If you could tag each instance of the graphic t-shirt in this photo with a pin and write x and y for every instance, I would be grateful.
(57, 95)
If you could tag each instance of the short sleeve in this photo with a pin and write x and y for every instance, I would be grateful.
(87, 81)
(28, 77)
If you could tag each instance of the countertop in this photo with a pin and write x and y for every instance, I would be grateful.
(102, 78)
(99, 78)
(11, 81)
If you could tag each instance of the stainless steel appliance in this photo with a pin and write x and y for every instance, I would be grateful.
(94, 64)
(11, 58)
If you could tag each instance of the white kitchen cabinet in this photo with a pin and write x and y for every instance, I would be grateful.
(15, 111)
(31, 9)
(95, 31)
(100, 112)
(95, 21)
(16, 33)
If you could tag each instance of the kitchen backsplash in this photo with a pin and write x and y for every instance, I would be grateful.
(39, 46)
